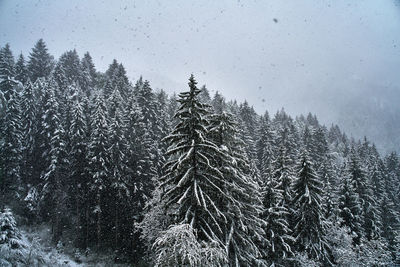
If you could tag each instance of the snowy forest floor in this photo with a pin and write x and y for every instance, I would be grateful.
(43, 252)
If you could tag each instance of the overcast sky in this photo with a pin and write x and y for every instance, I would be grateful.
(302, 55)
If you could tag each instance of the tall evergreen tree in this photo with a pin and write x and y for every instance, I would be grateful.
(40, 63)
(21, 71)
(7, 72)
(10, 146)
(310, 226)
(242, 187)
(120, 194)
(99, 163)
(79, 182)
(350, 209)
(277, 230)
(189, 186)
(28, 132)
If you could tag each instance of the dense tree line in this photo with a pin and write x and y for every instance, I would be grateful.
(189, 179)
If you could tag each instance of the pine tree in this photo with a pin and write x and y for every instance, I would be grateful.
(53, 161)
(369, 213)
(79, 187)
(390, 224)
(12, 248)
(117, 151)
(350, 209)
(7, 72)
(55, 177)
(89, 73)
(99, 163)
(204, 95)
(21, 71)
(264, 145)
(28, 132)
(189, 187)
(310, 226)
(241, 187)
(277, 230)
(68, 70)
(10, 146)
(283, 174)
(40, 63)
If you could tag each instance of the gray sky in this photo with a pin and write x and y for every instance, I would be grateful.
(272, 53)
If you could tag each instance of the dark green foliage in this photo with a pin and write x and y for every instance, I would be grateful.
(40, 63)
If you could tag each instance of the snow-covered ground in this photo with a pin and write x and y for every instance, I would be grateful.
(40, 251)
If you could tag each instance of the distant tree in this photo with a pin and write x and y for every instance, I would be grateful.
(21, 71)
(40, 63)
(7, 72)
(89, 73)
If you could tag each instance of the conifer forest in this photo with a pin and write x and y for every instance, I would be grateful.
(117, 171)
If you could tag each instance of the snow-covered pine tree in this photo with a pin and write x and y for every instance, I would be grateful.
(390, 228)
(89, 69)
(10, 146)
(53, 193)
(40, 63)
(349, 209)
(362, 186)
(21, 71)
(264, 146)
(99, 164)
(248, 122)
(204, 95)
(309, 220)
(283, 174)
(12, 248)
(119, 191)
(28, 140)
(150, 120)
(279, 240)
(79, 182)
(171, 110)
(7, 72)
(189, 188)
(242, 228)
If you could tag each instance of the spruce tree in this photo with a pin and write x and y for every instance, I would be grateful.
(28, 132)
(277, 229)
(10, 146)
(79, 178)
(99, 164)
(189, 186)
(21, 71)
(349, 209)
(369, 214)
(243, 191)
(117, 150)
(7, 72)
(310, 225)
(40, 63)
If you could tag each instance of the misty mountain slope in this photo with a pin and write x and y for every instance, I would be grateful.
(375, 114)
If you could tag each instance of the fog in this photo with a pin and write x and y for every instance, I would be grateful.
(338, 59)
